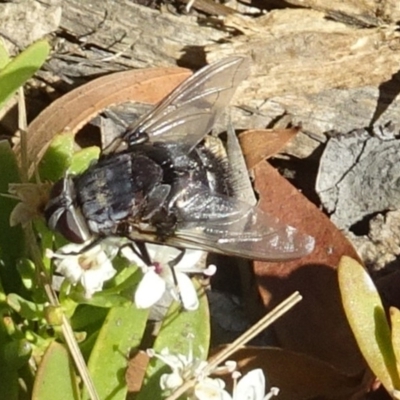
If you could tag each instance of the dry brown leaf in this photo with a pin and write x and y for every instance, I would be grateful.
(317, 326)
(72, 111)
(136, 371)
(297, 376)
(260, 144)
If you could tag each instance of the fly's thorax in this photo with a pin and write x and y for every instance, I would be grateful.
(115, 189)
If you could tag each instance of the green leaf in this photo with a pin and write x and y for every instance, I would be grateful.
(12, 242)
(99, 300)
(82, 159)
(366, 316)
(181, 331)
(179, 325)
(27, 271)
(57, 158)
(27, 309)
(395, 323)
(9, 362)
(4, 57)
(46, 241)
(17, 353)
(21, 68)
(86, 316)
(55, 378)
(121, 332)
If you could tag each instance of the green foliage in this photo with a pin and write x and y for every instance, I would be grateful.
(367, 319)
(121, 333)
(11, 239)
(17, 71)
(107, 325)
(56, 378)
(4, 57)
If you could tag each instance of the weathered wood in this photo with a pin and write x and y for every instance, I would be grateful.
(324, 73)
(364, 13)
(147, 37)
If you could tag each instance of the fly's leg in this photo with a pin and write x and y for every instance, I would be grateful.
(172, 264)
(165, 223)
(88, 247)
(140, 249)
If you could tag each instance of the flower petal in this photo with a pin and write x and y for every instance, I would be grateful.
(149, 290)
(170, 381)
(251, 386)
(162, 254)
(132, 257)
(92, 280)
(70, 268)
(211, 389)
(189, 260)
(187, 292)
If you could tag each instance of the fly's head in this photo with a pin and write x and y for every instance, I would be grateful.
(63, 215)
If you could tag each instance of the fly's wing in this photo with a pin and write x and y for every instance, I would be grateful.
(223, 224)
(188, 113)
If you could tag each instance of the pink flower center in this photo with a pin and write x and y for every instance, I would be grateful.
(157, 267)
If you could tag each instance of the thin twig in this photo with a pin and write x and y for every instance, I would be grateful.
(22, 127)
(224, 354)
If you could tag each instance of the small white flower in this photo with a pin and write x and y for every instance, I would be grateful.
(250, 387)
(159, 277)
(211, 389)
(183, 368)
(90, 268)
(186, 367)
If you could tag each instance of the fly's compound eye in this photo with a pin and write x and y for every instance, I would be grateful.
(63, 216)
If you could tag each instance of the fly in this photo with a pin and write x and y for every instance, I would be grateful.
(160, 182)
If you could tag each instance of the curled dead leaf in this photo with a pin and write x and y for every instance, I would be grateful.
(298, 376)
(318, 326)
(136, 371)
(75, 109)
(260, 144)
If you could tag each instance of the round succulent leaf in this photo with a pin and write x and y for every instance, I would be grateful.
(82, 159)
(121, 332)
(367, 319)
(57, 158)
(55, 378)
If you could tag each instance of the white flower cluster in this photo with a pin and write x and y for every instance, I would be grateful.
(92, 267)
(250, 387)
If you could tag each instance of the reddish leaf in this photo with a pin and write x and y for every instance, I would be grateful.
(260, 144)
(297, 376)
(317, 326)
(75, 109)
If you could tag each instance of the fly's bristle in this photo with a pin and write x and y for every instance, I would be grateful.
(214, 152)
